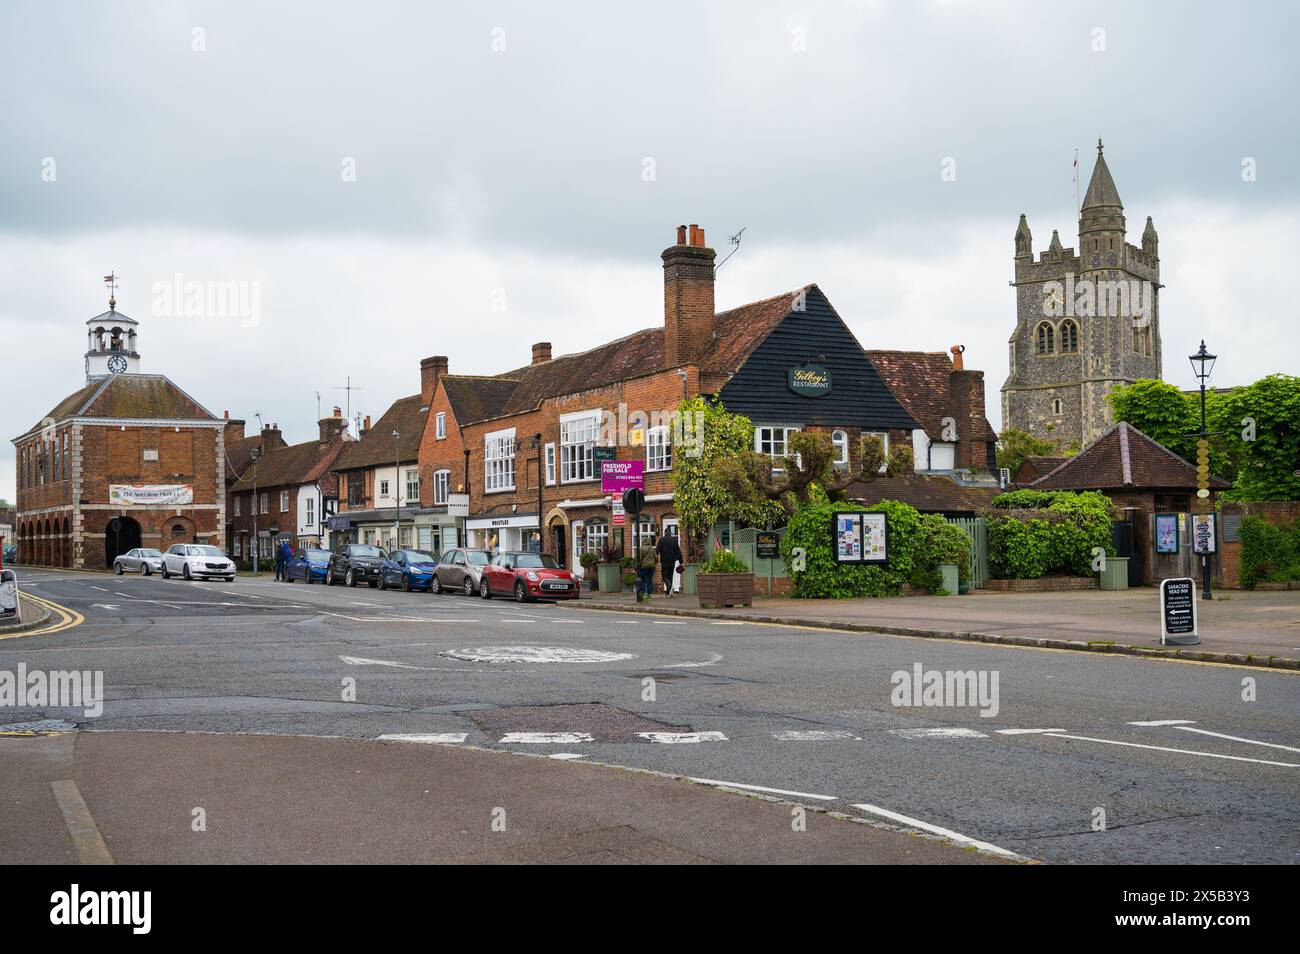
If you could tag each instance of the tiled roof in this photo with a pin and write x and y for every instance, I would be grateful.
(378, 447)
(292, 465)
(928, 494)
(739, 331)
(475, 398)
(138, 396)
(921, 380)
(1034, 467)
(1123, 457)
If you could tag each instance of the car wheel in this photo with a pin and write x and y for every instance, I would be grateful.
(144, 569)
(166, 573)
(329, 577)
(484, 590)
(350, 577)
(117, 568)
(436, 585)
(230, 579)
(185, 572)
(306, 577)
(469, 586)
(406, 584)
(383, 582)
(521, 594)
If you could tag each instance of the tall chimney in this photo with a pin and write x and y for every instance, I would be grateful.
(431, 370)
(688, 297)
(541, 352)
(332, 428)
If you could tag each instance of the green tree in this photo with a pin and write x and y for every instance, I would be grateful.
(1015, 445)
(1160, 411)
(1259, 429)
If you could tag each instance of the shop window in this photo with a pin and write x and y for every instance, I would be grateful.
(595, 535)
(840, 443)
(578, 433)
(1046, 338)
(658, 449)
(499, 460)
(642, 530)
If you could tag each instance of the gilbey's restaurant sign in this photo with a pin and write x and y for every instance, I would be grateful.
(810, 380)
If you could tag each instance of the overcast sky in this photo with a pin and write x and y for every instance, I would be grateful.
(403, 179)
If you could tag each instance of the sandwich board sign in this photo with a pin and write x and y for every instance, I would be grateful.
(1178, 612)
(9, 608)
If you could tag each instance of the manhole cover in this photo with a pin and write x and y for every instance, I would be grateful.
(535, 654)
(602, 722)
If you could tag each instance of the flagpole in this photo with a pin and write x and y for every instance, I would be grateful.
(1076, 182)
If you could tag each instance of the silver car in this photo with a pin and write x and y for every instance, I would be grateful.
(141, 560)
(195, 561)
(460, 571)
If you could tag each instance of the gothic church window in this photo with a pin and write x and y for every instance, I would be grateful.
(1056, 406)
(1069, 337)
(1046, 338)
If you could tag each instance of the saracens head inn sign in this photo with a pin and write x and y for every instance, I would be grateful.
(810, 380)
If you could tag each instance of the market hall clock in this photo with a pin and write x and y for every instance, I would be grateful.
(117, 364)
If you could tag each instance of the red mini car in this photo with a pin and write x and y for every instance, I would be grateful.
(527, 576)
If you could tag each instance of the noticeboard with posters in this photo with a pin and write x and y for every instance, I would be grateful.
(860, 537)
(1204, 532)
(1167, 532)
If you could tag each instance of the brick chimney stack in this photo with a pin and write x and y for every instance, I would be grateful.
(688, 297)
(431, 370)
(541, 352)
(234, 429)
(332, 428)
(966, 398)
(271, 437)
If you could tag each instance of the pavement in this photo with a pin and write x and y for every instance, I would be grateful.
(253, 699)
(1236, 626)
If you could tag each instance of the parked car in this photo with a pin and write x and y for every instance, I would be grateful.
(354, 563)
(409, 569)
(460, 570)
(309, 564)
(141, 560)
(528, 576)
(10, 553)
(197, 561)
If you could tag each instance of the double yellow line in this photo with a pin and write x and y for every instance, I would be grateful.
(64, 618)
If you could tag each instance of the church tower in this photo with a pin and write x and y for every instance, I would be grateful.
(1086, 320)
(111, 341)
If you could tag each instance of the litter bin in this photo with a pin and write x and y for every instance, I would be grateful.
(1114, 575)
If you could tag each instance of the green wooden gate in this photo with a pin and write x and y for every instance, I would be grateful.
(977, 528)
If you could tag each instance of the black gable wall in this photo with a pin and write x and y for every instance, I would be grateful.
(858, 397)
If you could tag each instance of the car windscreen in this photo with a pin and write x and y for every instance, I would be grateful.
(150, 553)
(367, 552)
(315, 555)
(207, 551)
(534, 561)
(477, 557)
(416, 556)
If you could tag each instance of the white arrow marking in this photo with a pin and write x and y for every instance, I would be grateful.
(427, 738)
(1161, 748)
(546, 738)
(107, 606)
(713, 659)
(937, 734)
(1025, 731)
(1166, 722)
(679, 738)
(1237, 738)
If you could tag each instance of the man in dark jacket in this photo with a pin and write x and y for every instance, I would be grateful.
(670, 554)
(281, 558)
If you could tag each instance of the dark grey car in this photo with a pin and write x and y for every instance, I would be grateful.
(460, 571)
(355, 563)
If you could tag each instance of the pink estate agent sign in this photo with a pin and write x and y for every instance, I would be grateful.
(617, 476)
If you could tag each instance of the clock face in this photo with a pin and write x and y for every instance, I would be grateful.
(117, 364)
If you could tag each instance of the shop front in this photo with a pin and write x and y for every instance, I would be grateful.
(508, 532)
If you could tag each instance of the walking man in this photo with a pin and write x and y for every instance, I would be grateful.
(670, 554)
(646, 558)
(280, 547)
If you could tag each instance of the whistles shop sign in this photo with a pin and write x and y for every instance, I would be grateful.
(810, 380)
(618, 476)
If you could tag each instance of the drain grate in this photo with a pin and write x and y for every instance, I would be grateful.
(607, 723)
(39, 727)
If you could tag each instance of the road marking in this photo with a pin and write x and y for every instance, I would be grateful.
(566, 756)
(86, 838)
(107, 606)
(816, 735)
(1166, 722)
(1237, 738)
(943, 733)
(948, 833)
(100, 588)
(546, 738)
(426, 738)
(535, 654)
(713, 659)
(1025, 731)
(761, 788)
(729, 623)
(670, 622)
(67, 618)
(680, 738)
(1161, 748)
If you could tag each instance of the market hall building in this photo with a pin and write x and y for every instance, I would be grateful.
(526, 445)
(128, 460)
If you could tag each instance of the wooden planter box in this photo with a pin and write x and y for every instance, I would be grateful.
(609, 577)
(725, 589)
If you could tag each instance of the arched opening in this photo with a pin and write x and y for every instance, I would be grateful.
(122, 534)
(67, 543)
(1046, 338)
(1069, 337)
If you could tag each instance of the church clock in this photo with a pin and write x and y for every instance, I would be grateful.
(117, 364)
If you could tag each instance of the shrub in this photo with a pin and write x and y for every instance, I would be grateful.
(724, 561)
(1036, 532)
(1270, 553)
(588, 560)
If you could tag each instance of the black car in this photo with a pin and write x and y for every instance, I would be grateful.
(354, 563)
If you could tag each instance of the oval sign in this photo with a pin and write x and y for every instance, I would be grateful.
(810, 380)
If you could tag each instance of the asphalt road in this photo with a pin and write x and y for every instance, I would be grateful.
(807, 714)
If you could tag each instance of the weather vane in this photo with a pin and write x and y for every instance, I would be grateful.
(111, 281)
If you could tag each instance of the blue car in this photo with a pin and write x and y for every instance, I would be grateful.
(307, 564)
(409, 569)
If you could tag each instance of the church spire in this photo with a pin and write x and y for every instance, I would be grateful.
(1101, 190)
(1024, 239)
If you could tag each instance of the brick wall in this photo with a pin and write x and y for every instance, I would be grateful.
(1228, 563)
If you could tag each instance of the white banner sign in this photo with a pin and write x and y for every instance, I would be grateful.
(125, 495)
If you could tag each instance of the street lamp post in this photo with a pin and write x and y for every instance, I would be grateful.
(1203, 367)
(397, 491)
(255, 453)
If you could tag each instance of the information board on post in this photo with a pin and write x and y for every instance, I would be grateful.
(860, 537)
(1204, 532)
(1178, 612)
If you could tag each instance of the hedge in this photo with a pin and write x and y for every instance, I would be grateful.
(918, 543)
(1034, 533)
(1270, 553)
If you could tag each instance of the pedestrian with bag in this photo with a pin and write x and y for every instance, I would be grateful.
(670, 555)
(646, 558)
